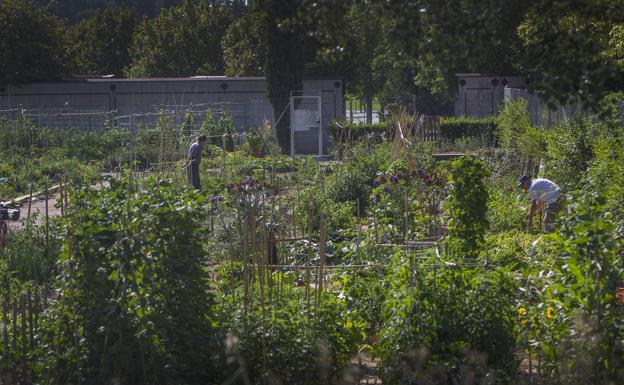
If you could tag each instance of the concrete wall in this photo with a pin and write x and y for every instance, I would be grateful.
(480, 95)
(81, 103)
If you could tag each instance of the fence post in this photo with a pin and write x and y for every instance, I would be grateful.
(5, 315)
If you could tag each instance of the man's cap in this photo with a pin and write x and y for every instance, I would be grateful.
(523, 179)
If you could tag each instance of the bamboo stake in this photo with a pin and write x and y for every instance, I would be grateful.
(30, 200)
(309, 254)
(31, 326)
(23, 333)
(5, 316)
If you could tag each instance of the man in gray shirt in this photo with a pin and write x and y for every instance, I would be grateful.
(194, 159)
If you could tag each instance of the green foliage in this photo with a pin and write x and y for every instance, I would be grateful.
(28, 257)
(606, 175)
(518, 250)
(516, 134)
(506, 209)
(570, 152)
(133, 304)
(33, 43)
(342, 131)
(219, 130)
(102, 42)
(451, 129)
(293, 343)
(352, 182)
(167, 46)
(569, 48)
(441, 326)
(586, 328)
(245, 45)
(467, 207)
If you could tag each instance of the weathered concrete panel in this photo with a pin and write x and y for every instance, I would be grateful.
(244, 97)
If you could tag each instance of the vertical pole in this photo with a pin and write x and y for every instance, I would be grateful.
(5, 316)
(30, 199)
(292, 126)
(351, 110)
(47, 220)
(23, 332)
(320, 119)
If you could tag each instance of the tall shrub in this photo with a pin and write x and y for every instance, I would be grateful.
(467, 207)
(133, 306)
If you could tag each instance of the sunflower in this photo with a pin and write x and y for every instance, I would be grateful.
(550, 312)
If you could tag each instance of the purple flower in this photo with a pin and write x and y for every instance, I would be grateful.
(375, 183)
(219, 199)
(213, 199)
(428, 181)
(421, 172)
(394, 179)
(376, 198)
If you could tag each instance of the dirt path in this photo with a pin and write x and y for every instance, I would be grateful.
(362, 370)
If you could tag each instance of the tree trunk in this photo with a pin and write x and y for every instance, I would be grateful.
(284, 64)
(369, 109)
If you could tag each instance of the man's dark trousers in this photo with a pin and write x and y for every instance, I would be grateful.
(193, 175)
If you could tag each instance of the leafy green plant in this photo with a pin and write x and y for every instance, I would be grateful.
(585, 317)
(292, 341)
(570, 151)
(440, 326)
(452, 129)
(133, 306)
(467, 207)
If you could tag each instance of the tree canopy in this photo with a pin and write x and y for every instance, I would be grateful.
(33, 43)
(180, 41)
(101, 44)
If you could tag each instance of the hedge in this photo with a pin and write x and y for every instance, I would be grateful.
(449, 129)
(341, 131)
(454, 128)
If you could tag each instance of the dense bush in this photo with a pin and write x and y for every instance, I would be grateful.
(467, 207)
(451, 129)
(29, 256)
(133, 307)
(517, 136)
(342, 131)
(570, 151)
(578, 322)
(291, 341)
(444, 326)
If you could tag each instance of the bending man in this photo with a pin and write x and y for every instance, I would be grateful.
(194, 159)
(543, 193)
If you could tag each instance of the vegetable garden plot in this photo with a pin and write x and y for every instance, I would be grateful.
(286, 268)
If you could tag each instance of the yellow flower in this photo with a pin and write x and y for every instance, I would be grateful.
(550, 312)
(524, 322)
(522, 312)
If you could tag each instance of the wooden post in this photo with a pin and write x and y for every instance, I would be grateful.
(47, 221)
(30, 199)
(5, 316)
(23, 334)
(61, 196)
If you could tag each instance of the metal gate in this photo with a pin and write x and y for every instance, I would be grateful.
(306, 125)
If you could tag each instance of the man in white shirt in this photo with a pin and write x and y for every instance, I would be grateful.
(543, 193)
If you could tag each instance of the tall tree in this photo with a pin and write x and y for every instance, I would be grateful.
(284, 62)
(571, 47)
(180, 41)
(245, 44)
(33, 43)
(102, 42)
